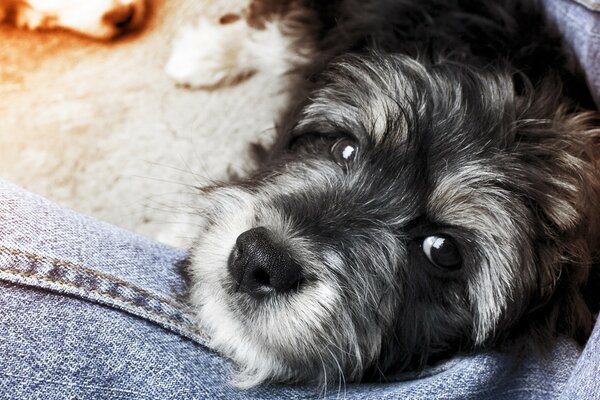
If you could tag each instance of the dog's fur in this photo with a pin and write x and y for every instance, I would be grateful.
(470, 123)
(100, 19)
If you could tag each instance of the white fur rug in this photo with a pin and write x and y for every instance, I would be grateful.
(100, 128)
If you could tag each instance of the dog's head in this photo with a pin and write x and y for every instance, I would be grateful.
(410, 211)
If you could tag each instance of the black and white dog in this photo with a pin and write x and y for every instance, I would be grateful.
(434, 189)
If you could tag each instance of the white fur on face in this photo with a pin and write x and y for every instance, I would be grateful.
(102, 19)
(209, 268)
(232, 333)
(310, 334)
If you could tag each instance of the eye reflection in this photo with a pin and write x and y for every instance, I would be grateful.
(441, 251)
(344, 151)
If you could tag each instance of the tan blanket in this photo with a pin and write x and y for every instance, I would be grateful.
(100, 128)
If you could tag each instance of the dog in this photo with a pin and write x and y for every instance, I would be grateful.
(433, 190)
(100, 19)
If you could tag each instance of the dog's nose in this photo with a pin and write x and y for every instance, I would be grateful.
(262, 267)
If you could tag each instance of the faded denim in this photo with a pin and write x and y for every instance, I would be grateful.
(579, 25)
(89, 311)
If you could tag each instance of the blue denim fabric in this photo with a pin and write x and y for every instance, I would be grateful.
(579, 24)
(593, 5)
(89, 311)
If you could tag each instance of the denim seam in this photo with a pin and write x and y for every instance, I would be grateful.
(104, 294)
(67, 264)
(167, 313)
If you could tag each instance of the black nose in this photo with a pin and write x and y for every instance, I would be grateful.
(260, 266)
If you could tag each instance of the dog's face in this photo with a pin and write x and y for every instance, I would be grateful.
(413, 211)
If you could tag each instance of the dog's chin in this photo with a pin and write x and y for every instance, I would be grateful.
(230, 337)
(214, 301)
(283, 337)
(270, 338)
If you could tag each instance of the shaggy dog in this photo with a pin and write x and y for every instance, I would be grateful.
(101, 19)
(434, 189)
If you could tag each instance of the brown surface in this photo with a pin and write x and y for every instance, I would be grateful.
(100, 128)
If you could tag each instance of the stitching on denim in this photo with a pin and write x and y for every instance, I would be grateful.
(157, 314)
(67, 264)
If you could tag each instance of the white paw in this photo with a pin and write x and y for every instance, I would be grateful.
(210, 54)
(102, 19)
(30, 18)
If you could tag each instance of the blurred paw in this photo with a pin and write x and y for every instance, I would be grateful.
(210, 54)
(101, 19)
(30, 18)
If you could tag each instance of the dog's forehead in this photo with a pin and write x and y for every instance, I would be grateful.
(364, 97)
(391, 97)
(431, 134)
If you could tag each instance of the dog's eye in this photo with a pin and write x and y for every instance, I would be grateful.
(441, 252)
(344, 151)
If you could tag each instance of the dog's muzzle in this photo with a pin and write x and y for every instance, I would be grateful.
(261, 267)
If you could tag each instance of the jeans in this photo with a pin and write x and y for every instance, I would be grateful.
(578, 21)
(89, 311)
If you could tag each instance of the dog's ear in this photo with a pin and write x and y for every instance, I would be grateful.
(560, 145)
(559, 166)
(563, 152)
